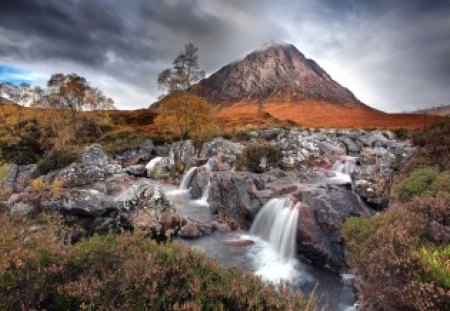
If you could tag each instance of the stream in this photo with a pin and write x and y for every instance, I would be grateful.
(250, 251)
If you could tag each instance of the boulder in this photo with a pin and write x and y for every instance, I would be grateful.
(221, 146)
(158, 166)
(199, 182)
(235, 194)
(321, 216)
(190, 230)
(137, 170)
(145, 151)
(182, 152)
(18, 178)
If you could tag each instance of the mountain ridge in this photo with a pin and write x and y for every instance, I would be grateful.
(443, 111)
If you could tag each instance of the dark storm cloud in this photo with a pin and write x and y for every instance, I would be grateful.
(392, 53)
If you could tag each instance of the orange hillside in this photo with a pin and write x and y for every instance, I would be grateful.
(321, 114)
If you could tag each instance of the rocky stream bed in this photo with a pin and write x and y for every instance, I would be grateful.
(284, 225)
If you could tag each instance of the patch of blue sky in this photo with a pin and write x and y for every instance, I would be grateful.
(16, 76)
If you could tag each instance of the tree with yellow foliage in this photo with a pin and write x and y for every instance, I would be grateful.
(185, 115)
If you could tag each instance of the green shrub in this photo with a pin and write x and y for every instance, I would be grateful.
(418, 183)
(259, 158)
(127, 272)
(423, 181)
(56, 159)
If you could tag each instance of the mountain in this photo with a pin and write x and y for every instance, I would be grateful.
(443, 111)
(277, 71)
(279, 84)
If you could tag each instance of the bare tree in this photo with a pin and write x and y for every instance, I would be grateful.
(185, 72)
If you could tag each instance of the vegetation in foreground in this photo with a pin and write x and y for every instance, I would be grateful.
(401, 257)
(126, 272)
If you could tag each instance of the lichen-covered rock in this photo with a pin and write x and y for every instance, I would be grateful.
(100, 196)
(18, 178)
(137, 170)
(143, 153)
(221, 146)
(158, 166)
(182, 152)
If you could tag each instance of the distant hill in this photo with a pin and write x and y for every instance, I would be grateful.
(443, 111)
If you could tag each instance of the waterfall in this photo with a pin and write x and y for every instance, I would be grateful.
(151, 165)
(277, 224)
(187, 178)
(343, 167)
(204, 199)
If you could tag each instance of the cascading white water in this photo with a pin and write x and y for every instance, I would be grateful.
(277, 224)
(151, 165)
(204, 199)
(345, 165)
(343, 168)
(187, 178)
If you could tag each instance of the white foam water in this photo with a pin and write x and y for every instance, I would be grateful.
(277, 224)
(273, 233)
(204, 199)
(343, 168)
(185, 183)
(151, 165)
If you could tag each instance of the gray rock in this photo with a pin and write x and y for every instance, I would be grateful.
(235, 194)
(321, 216)
(24, 209)
(143, 153)
(10, 179)
(182, 152)
(190, 230)
(221, 146)
(94, 156)
(137, 170)
(158, 166)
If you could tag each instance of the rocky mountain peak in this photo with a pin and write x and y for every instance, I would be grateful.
(275, 70)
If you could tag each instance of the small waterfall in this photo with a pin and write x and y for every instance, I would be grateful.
(187, 178)
(204, 199)
(277, 224)
(151, 165)
(345, 165)
(343, 168)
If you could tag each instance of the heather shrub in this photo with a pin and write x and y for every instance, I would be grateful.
(259, 157)
(434, 145)
(127, 272)
(400, 256)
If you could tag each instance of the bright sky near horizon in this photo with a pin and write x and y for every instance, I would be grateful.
(393, 55)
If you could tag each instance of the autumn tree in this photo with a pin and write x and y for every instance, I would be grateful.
(68, 112)
(185, 115)
(77, 104)
(184, 73)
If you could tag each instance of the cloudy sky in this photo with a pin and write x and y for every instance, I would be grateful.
(393, 54)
